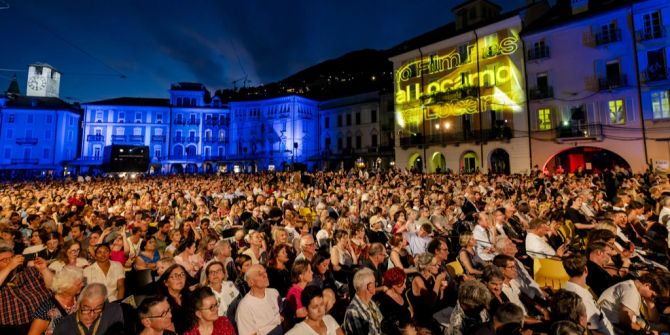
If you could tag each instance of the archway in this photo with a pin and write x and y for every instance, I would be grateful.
(500, 162)
(191, 152)
(587, 158)
(191, 168)
(176, 168)
(438, 162)
(178, 151)
(469, 162)
(415, 162)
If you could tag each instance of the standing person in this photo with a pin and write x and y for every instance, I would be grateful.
(109, 273)
(155, 315)
(66, 286)
(22, 290)
(258, 312)
(204, 315)
(94, 315)
(363, 316)
(317, 321)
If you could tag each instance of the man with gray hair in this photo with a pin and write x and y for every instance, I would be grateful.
(363, 316)
(307, 248)
(94, 315)
(222, 252)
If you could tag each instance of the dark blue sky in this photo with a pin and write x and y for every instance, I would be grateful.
(155, 43)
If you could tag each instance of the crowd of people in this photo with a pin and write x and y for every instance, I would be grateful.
(358, 252)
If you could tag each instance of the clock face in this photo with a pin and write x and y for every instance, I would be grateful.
(37, 83)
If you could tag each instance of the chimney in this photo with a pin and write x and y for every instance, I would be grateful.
(579, 6)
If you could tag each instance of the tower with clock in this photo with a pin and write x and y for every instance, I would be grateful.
(43, 81)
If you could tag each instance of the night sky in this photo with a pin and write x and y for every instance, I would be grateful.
(95, 44)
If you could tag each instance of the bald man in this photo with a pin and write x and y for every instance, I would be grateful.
(258, 312)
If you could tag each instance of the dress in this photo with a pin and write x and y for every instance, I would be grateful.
(222, 326)
(48, 311)
(303, 329)
(395, 315)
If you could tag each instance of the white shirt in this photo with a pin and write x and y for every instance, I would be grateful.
(665, 211)
(594, 315)
(228, 293)
(94, 274)
(512, 291)
(622, 294)
(537, 247)
(483, 240)
(303, 329)
(258, 315)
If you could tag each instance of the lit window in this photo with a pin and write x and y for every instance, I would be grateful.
(660, 104)
(544, 118)
(617, 112)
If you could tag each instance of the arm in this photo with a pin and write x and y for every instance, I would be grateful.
(467, 265)
(13, 264)
(41, 266)
(120, 288)
(38, 326)
(335, 259)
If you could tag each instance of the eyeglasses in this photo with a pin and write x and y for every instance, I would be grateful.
(86, 310)
(178, 275)
(215, 272)
(74, 250)
(213, 308)
(162, 315)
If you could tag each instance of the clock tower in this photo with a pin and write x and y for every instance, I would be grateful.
(43, 81)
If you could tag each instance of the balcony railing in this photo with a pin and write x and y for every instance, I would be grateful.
(608, 83)
(657, 32)
(26, 161)
(27, 140)
(194, 139)
(158, 138)
(541, 93)
(655, 74)
(179, 139)
(118, 138)
(210, 139)
(95, 138)
(137, 138)
(179, 122)
(90, 158)
(538, 53)
(608, 36)
(502, 133)
(194, 122)
(577, 130)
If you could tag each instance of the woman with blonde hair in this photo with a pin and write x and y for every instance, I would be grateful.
(472, 264)
(66, 285)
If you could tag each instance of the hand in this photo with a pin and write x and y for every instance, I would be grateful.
(40, 264)
(15, 261)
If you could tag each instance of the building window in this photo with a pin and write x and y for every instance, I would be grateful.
(327, 145)
(652, 26)
(373, 140)
(30, 118)
(348, 142)
(339, 143)
(373, 116)
(71, 120)
(617, 112)
(159, 118)
(660, 104)
(11, 118)
(96, 151)
(8, 153)
(326, 122)
(358, 117)
(137, 131)
(45, 155)
(359, 142)
(544, 118)
(98, 116)
(138, 117)
(221, 153)
(339, 120)
(69, 135)
(50, 118)
(348, 119)
(122, 117)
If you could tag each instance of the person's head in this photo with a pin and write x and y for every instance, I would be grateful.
(599, 252)
(364, 283)
(483, 219)
(257, 277)
(187, 247)
(70, 250)
(77, 231)
(39, 237)
(280, 254)
(174, 278)
(575, 265)
(508, 313)
(91, 303)
(394, 279)
(280, 236)
(102, 253)
(397, 241)
(567, 305)
(53, 240)
(506, 247)
(320, 263)
(204, 306)
(312, 299)
(473, 297)
(163, 264)
(148, 244)
(466, 240)
(307, 245)
(222, 249)
(154, 313)
(242, 263)
(215, 274)
(377, 253)
(540, 226)
(68, 281)
(256, 239)
(565, 327)
(425, 262)
(301, 272)
(651, 286)
(439, 248)
(493, 279)
(341, 237)
(425, 230)
(507, 265)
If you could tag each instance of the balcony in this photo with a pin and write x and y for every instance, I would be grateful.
(608, 36)
(193, 139)
(118, 138)
(578, 131)
(136, 138)
(210, 140)
(657, 74)
(158, 138)
(194, 122)
(25, 161)
(457, 137)
(179, 122)
(538, 53)
(541, 93)
(26, 140)
(608, 83)
(211, 122)
(656, 33)
(95, 138)
(179, 139)
(90, 158)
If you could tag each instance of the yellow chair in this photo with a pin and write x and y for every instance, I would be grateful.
(305, 212)
(549, 272)
(455, 269)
